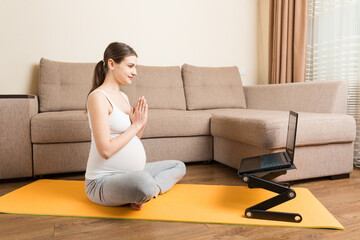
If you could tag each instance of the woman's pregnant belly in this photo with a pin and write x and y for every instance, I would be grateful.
(131, 157)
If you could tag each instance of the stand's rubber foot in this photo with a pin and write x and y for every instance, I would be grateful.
(276, 216)
(245, 179)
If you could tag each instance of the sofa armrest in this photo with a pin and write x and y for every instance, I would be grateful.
(15, 142)
(319, 97)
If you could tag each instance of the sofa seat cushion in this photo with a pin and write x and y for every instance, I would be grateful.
(268, 129)
(60, 127)
(177, 123)
(73, 126)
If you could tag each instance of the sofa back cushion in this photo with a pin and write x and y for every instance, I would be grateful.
(212, 87)
(64, 86)
(161, 86)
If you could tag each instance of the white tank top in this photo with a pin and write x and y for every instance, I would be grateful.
(130, 158)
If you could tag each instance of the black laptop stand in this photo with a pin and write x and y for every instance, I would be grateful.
(259, 211)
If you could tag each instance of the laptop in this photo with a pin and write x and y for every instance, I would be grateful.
(275, 161)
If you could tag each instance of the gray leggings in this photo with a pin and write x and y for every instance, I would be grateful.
(135, 187)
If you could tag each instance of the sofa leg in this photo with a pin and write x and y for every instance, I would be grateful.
(340, 176)
(38, 177)
(207, 162)
(289, 183)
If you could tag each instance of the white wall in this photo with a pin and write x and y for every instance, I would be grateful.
(162, 32)
(263, 41)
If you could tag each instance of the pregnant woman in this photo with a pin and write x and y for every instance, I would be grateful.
(117, 172)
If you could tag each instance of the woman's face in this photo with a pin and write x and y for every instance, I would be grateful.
(125, 70)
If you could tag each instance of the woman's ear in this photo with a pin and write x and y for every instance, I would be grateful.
(111, 64)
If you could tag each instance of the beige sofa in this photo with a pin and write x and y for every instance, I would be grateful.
(197, 114)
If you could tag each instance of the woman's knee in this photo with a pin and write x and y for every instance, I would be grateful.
(181, 166)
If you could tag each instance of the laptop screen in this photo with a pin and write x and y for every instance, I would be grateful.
(291, 136)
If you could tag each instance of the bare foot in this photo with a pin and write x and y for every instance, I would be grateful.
(136, 206)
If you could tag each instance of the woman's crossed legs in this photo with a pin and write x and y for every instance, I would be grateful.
(135, 188)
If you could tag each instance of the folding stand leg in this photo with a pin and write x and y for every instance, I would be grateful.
(260, 210)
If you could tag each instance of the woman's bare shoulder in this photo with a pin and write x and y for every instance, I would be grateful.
(97, 100)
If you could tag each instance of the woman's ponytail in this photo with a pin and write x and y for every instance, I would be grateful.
(99, 75)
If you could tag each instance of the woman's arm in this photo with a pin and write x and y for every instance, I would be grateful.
(99, 108)
(139, 134)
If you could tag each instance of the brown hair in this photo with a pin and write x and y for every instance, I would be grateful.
(116, 51)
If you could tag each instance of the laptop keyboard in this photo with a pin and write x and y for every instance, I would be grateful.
(271, 161)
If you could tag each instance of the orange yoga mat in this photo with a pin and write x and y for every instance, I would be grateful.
(183, 203)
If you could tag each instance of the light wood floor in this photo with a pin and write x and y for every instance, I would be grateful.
(340, 197)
